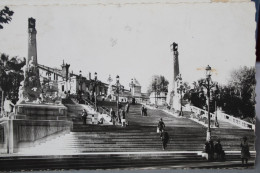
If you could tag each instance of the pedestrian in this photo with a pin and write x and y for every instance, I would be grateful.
(165, 139)
(8, 106)
(119, 115)
(123, 118)
(211, 150)
(84, 116)
(245, 154)
(142, 110)
(93, 119)
(219, 152)
(113, 115)
(145, 111)
(161, 125)
(127, 107)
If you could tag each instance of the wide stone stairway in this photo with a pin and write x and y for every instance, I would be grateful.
(137, 145)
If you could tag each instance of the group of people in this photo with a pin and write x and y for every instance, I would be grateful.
(143, 111)
(121, 117)
(163, 133)
(214, 151)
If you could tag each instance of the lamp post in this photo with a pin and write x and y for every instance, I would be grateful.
(95, 90)
(208, 84)
(119, 88)
(180, 90)
(80, 84)
(217, 95)
(95, 83)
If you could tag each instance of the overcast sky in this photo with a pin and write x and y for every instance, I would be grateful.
(134, 40)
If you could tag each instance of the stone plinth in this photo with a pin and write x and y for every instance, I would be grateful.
(35, 111)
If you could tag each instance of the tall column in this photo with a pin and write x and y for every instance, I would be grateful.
(31, 88)
(32, 46)
(176, 71)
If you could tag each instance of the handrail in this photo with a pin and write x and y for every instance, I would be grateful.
(225, 117)
(102, 109)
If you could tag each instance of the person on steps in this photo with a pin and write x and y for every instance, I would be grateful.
(113, 116)
(142, 110)
(219, 152)
(145, 111)
(123, 114)
(245, 154)
(127, 107)
(161, 125)
(165, 138)
(84, 116)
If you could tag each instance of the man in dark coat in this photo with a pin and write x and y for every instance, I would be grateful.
(84, 116)
(142, 110)
(219, 151)
(245, 154)
(161, 125)
(165, 138)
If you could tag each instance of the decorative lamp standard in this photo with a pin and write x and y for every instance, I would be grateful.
(217, 95)
(119, 88)
(95, 89)
(80, 84)
(208, 84)
(180, 90)
(95, 83)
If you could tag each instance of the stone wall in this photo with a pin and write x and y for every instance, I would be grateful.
(3, 139)
(27, 133)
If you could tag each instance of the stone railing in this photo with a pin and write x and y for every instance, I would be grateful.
(20, 134)
(3, 136)
(200, 114)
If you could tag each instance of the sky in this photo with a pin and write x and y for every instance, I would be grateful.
(134, 40)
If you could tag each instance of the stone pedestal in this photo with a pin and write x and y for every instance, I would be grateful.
(35, 111)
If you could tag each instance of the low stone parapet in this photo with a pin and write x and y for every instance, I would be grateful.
(40, 111)
(21, 134)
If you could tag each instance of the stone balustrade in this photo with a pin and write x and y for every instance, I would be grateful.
(200, 113)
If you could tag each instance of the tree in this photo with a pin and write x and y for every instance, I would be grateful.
(160, 82)
(5, 16)
(11, 74)
(196, 95)
(239, 96)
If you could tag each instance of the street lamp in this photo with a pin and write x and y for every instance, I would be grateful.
(208, 84)
(180, 90)
(216, 96)
(95, 83)
(119, 88)
(95, 89)
(80, 84)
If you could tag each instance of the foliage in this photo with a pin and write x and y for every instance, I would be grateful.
(5, 16)
(239, 95)
(158, 83)
(11, 74)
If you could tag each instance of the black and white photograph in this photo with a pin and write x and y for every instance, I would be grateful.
(127, 85)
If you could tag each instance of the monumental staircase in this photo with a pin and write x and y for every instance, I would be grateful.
(135, 146)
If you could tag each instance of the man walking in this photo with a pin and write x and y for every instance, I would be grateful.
(127, 108)
(84, 116)
(142, 110)
(161, 125)
(165, 139)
